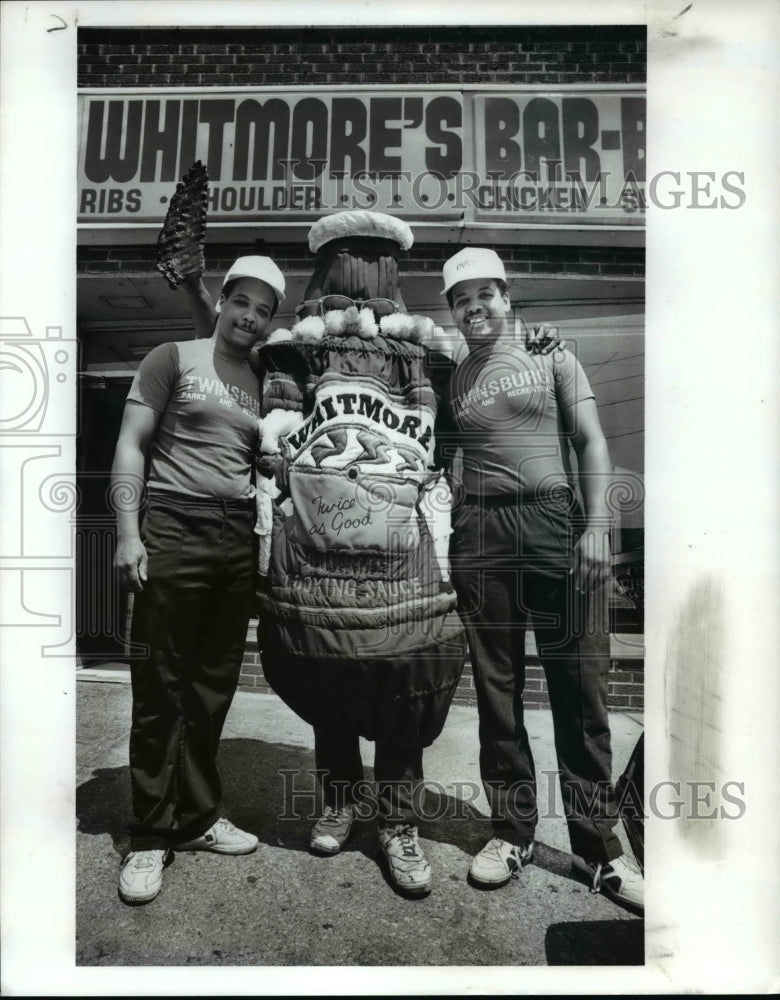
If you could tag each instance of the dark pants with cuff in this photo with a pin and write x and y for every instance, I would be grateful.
(510, 563)
(192, 617)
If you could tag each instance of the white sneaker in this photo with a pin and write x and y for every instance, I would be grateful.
(330, 832)
(222, 838)
(409, 871)
(140, 878)
(499, 861)
(620, 880)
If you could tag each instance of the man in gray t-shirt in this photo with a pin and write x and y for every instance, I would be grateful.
(189, 557)
(521, 548)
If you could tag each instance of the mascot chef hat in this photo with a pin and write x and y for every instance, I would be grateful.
(357, 255)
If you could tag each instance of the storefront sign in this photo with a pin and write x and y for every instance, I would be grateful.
(511, 155)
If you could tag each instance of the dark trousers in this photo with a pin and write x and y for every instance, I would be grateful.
(510, 564)
(397, 771)
(192, 617)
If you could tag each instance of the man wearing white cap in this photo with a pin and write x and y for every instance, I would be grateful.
(521, 547)
(192, 414)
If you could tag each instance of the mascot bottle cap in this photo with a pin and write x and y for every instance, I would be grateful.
(359, 223)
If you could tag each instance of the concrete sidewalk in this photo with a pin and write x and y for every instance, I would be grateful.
(283, 906)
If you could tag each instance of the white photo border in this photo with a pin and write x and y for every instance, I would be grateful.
(712, 911)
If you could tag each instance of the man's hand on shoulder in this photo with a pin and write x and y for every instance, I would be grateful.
(130, 561)
(543, 339)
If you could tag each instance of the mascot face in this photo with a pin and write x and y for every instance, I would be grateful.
(353, 290)
(356, 264)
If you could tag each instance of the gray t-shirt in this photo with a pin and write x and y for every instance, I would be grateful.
(207, 437)
(508, 407)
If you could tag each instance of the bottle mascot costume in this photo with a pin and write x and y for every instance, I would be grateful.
(358, 629)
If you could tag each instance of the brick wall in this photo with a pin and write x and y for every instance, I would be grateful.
(256, 57)
(295, 258)
(625, 682)
(625, 686)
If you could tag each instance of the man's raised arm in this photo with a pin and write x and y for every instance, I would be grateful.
(202, 311)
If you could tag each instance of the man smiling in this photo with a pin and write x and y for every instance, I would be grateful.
(522, 549)
(192, 414)
(479, 306)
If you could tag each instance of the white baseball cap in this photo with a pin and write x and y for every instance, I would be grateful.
(472, 262)
(262, 268)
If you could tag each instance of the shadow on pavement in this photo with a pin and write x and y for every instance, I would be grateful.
(271, 790)
(596, 942)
